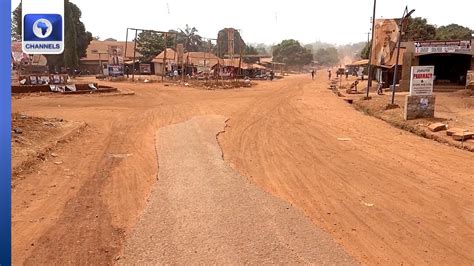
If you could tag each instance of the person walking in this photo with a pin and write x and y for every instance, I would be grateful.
(329, 74)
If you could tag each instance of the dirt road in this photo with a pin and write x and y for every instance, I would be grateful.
(201, 211)
(384, 195)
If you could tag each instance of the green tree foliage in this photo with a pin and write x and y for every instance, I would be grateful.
(364, 53)
(191, 41)
(76, 39)
(150, 44)
(221, 48)
(418, 29)
(71, 58)
(292, 53)
(453, 32)
(327, 56)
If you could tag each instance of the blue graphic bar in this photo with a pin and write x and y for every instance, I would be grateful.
(5, 133)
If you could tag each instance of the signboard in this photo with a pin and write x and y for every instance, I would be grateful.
(440, 47)
(385, 42)
(115, 66)
(115, 55)
(421, 81)
(43, 26)
(115, 70)
(145, 69)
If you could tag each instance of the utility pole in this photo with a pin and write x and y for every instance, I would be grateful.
(405, 16)
(369, 80)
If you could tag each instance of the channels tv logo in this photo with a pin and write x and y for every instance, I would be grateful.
(42, 28)
(43, 33)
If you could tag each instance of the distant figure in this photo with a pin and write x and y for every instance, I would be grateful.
(312, 74)
(127, 71)
(175, 74)
(329, 74)
(272, 75)
(347, 74)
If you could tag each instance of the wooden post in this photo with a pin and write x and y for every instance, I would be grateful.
(100, 65)
(164, 59)
(134, 54)
(240, 59)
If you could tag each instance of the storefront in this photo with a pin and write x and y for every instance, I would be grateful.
(451, 59)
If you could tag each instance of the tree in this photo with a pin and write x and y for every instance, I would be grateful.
(76, 38)
(70, 37)
(327, 56)
(292, 53)
(250, 50)
(222, 42)
(191, 41)
(364, 53)
(419, 29)
(263, 49)
(150, 44)
(453, 32)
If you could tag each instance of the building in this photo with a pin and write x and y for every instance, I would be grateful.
(194, 61)
(451, 59)
(97, 55)
(24, 64)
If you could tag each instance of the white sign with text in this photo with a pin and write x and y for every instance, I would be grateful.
(421, 81)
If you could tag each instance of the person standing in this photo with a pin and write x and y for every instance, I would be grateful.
(329, 74)
(127, 71)
(312, 74)
(347, 74)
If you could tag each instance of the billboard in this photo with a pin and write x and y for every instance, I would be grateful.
(115, 67)
(440, 47)
(421, 80)
(115, 54)
(115, 70)
(384, 49)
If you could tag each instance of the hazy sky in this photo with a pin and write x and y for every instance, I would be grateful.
(261, 21)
